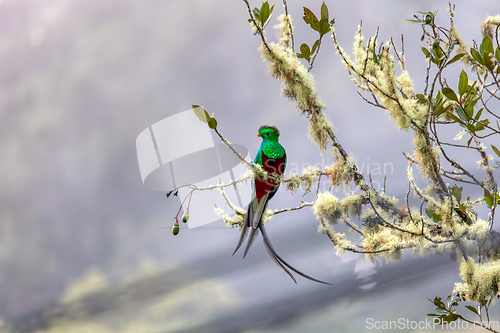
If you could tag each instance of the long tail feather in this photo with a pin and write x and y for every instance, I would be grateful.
(246, 226)
(276, 256)
(251, 238)
(280, 264)
(244, 232)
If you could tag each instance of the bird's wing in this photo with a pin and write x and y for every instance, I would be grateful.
(255, 213)
(284, 164)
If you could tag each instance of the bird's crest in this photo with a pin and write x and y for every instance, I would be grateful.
(274, 128)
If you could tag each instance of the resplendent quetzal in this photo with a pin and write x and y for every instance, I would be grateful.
(272, 157)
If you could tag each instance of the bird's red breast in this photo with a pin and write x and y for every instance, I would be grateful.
(270, 165)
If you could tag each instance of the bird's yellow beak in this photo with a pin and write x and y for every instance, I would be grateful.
(258, 134)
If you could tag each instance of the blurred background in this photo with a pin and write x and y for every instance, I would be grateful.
(84, 247)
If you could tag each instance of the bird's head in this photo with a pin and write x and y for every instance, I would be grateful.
(270, 133)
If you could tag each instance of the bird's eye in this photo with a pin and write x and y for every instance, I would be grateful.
(267, 133)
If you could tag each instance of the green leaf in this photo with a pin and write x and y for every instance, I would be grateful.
(421, 98)
(324, 12)
(463, 83)
(203, 115)
(497, 54)
(200, 112)
(488, 200)
(439, 95)
(264, 13)
(453, 117)
(437, 51)
(479, 127)
(305, 51)
(428, 213)
(478, 114)
(256, 13)
(457, 192)
(438, 302)
(212, 123)
(311, 19)
(269, 17)
(471, 128)
(469, 106)
(324, 27)
(451, 317)
(473, 309)
(436, 218)
(476, 55)
(441, 110)
(487, 60)
(487, 45)
(455, 58)
(315, 46)
(426, 52)
(415, 21)
(461, 113)
(495, 149)
(449, 93)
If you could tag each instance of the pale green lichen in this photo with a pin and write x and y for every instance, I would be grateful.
(338, 239)
(298, 85)
(327, 206)
(489, 25)
(292, 182)
(426, 155)
(285, 29)
(319, 130)
(481, 281)
(460, 290)
(479, 229)
(254, 28)
(235, 220)
(267, 216)
(462, 48)
(310, 176)
(341, 172)
(352, 205)
(259, 172)
(384, 238)
(375, 71)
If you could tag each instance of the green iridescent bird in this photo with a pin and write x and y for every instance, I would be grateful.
(272, 157)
